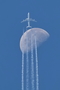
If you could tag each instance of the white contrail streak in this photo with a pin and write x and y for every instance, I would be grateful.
(22, 70)
(37, 82)
(32, 65)
(27, 68)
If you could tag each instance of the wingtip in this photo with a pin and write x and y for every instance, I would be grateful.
(21, 21)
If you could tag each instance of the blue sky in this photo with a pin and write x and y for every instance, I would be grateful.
(47, 14)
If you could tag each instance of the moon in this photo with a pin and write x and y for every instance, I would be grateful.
(40, 34)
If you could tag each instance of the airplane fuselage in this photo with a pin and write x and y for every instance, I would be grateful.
(28, 19)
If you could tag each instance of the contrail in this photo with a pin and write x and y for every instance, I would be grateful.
(27, 68)
(32, 65)
(22, 70)
(37, 82)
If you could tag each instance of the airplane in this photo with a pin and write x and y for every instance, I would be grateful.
(28, 19)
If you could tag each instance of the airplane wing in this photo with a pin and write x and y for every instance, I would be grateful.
(33, 20)
(24, 20)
